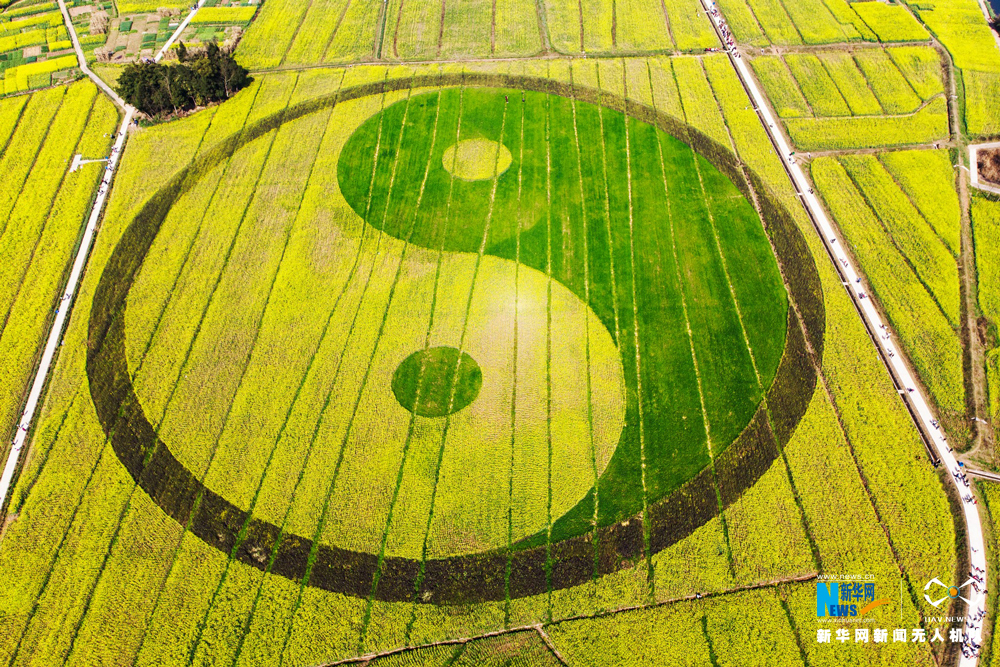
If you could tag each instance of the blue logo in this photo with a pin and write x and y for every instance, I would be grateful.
(841, 599)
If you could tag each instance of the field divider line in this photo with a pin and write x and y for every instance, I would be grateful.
(440, 41)
(461, 348)
(56, 331)
(840, 92)
(635, 332)
(548, 343)
(513, 391)
(194, 239)
(142, 359)
(333, 310)
(44, 226)
(909, 198)
(34, 161)
(892, 356)
(194, 337)
(680, 290)
(241, 536)
(437, 277)
(380, 235)
(295, 33)
(803, 655)
(798, 86)
(135, 487)
(13, 130)
(868, 83)
(45, 455)
(411, 428)
(725, 266)
(586, 293)
(549, 645)
(803, 516)
(694, 354)
(366, 659)
(56, 553)
(239, 385)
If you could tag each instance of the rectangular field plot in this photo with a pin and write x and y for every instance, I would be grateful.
(409, 366)
(871, 97)
(795, 22)
(871, 82)
(910, 266)
(608, 26)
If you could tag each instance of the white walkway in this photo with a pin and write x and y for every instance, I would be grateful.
(891, 353)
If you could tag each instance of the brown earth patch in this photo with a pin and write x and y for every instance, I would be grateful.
(988, 163)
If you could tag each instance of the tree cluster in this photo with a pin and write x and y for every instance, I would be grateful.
(159, 90)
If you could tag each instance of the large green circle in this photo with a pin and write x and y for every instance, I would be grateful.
(437, 381)
(648, 236)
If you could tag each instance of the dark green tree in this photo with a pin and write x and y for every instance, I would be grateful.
(157, 89)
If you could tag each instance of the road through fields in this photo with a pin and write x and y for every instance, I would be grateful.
(66, 301)
(891, 354)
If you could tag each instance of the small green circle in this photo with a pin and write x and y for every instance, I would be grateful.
(437, 381)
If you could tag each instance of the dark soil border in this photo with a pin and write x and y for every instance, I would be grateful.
(468, 578)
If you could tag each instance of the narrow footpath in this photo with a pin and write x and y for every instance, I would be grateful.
(892, 355)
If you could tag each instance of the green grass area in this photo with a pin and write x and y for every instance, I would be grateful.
(238, 376)
(43, 208)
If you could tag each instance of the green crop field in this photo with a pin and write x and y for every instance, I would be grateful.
(500, 332)
(380, 357)
(42, 209)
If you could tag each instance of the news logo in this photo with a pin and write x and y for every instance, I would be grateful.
(846, 599)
